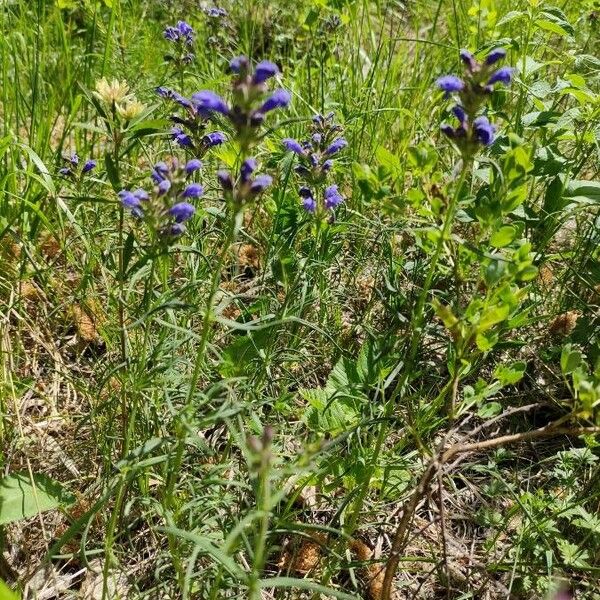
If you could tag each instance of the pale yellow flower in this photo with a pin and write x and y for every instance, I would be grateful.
(112, 91)
(130, 109)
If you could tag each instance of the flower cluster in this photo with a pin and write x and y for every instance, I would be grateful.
(117, 96)
(218, 27)
(168, 207)
(250, 100)
(182, 38)
(248, 185)
(316, 160)
(473, 90)
(189, 130)
(74, 169)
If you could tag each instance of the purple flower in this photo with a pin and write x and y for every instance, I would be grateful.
(193, 165)
(484, 130)
(161, 167)
(182, 211)
(238, 64)
(260, 183)
(163, 187)
(447, 130)
(175, 229)
(88, 166)
(164, 92)
(74, 160)
(316, 138)
(129, 200)
(214, 138)
(450, 83)
(225, 180)
(279, 99)
(185, 28)
(495, 55)
(291, 145)
(503, 75)
(208, 101)
(215, 12)
(332, 197)
(468, 59)
(264, 70)
(248, 167)
(309, 204)
(171, 33)
(182, 138)
(65, 172)
(304, 192)
(336, 146)
(194, 190)
(140, 194)
(459, 113)
(326, 166)
(314, 160)
(181, 100)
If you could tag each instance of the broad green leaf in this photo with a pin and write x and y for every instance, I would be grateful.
(510, 374)
(570, 359)
(19, 499)
(503, 237)
(6, 593)
(489, 410)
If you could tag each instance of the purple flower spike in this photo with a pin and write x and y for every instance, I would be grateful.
(291, 145)
(193, 165)
(450, 83)
(141, 194)
(332, 197)
(265, 70)
(214, 138)
(239, 64)
(484, 130)
(88, 166)
(182, 211)
(309, 204)
(208, 101)
(225, 180)
(248, 167)
(503, 75)
(163, 187)
(194, 190)
(279, 99)
(260, 183)
(336, 146)
(495, 55)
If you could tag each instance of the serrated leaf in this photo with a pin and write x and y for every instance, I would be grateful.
(19, 499)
